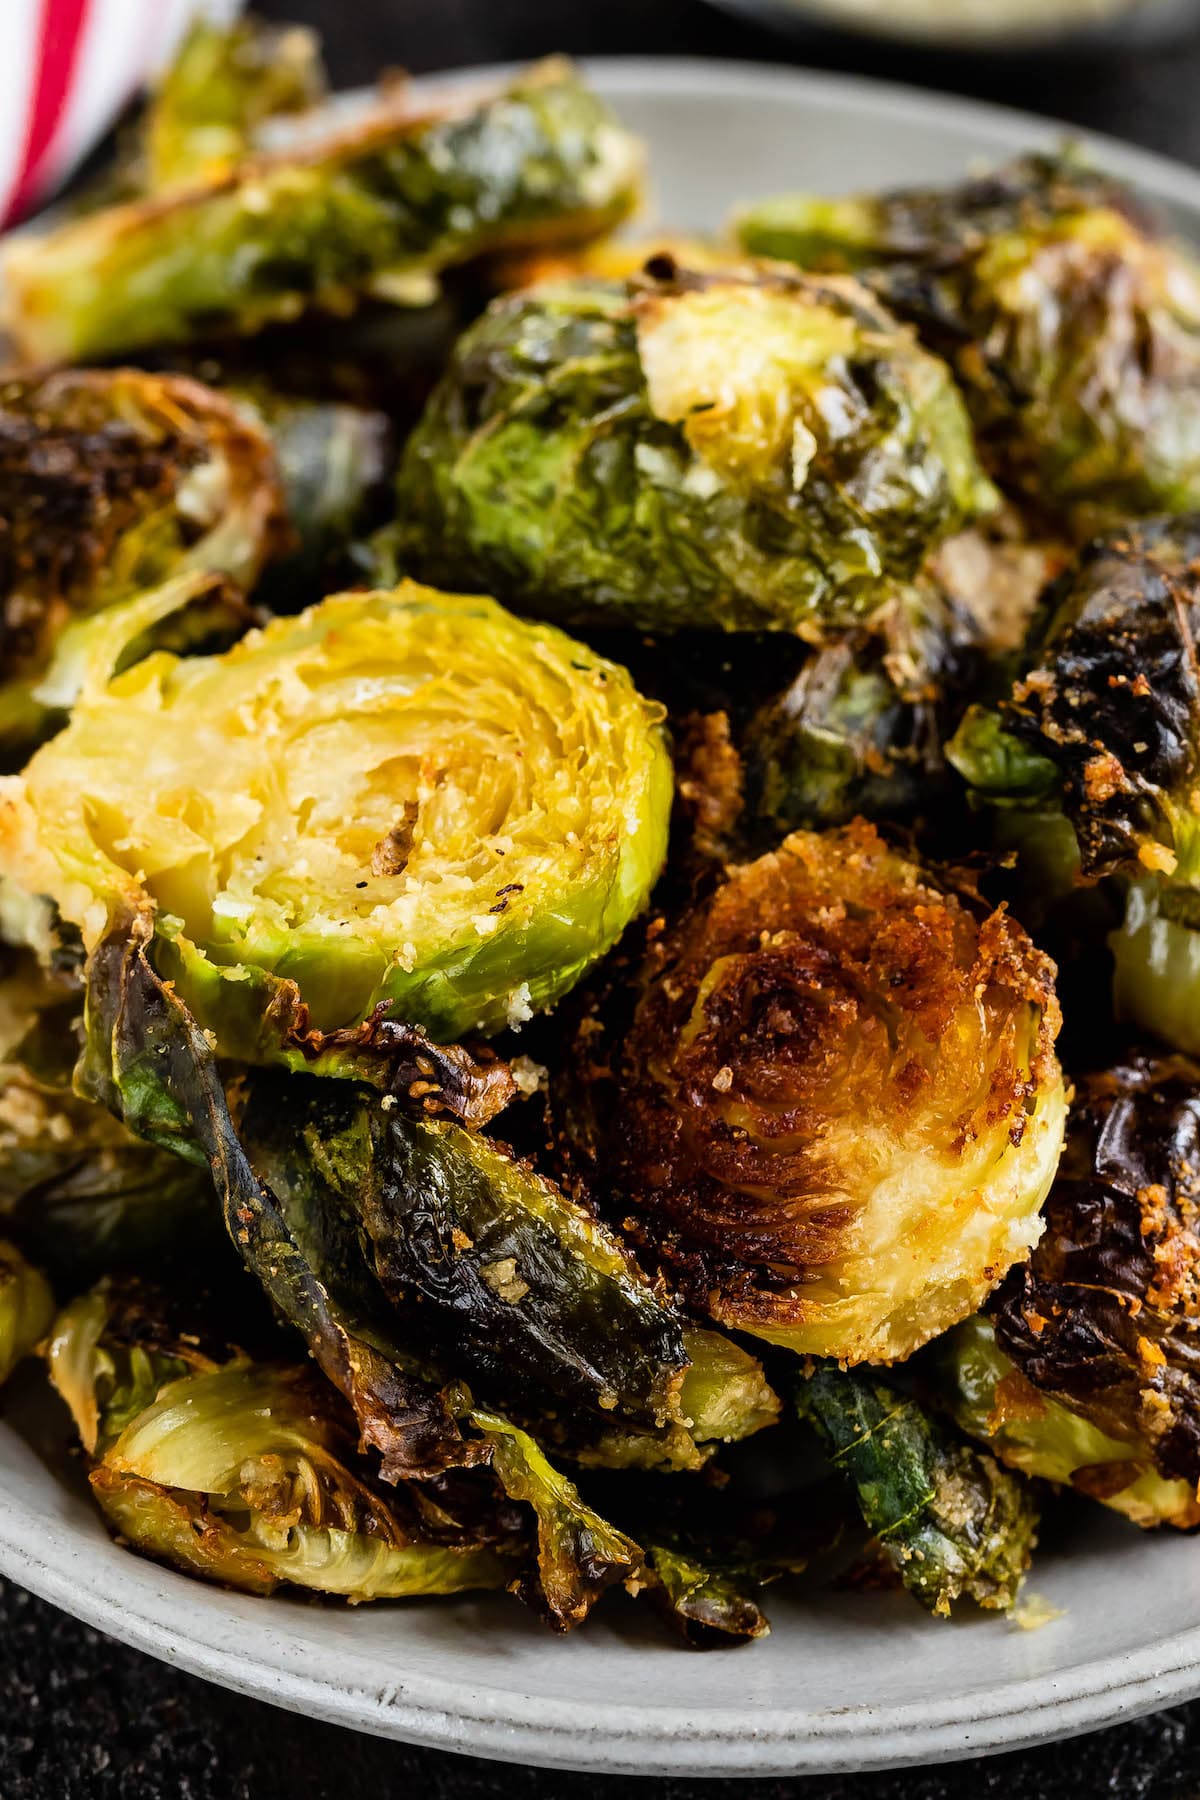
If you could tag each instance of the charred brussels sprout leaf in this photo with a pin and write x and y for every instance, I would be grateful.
(741, 450)
(951, 1521)
(26, 1308)
(579, 1554)
(860, 729)
(1072, 326)
(831, 1058)
(712, 1609)
(111, 481)
(1103, 1318)
(489, 1268)
(245, 1473)
(407, 799)
(1034, 1432)
(381, 204)
(78, 1191)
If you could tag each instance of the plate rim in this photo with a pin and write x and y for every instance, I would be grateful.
(500, 1724)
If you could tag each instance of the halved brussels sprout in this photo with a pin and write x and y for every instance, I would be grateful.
(742, 450)
(405, 798)
(836, 1110)
(78, 1191)
(1072, 326)
(950, 1520)
(378, 205)
(26, 1308)
(1038, 1434)
(1103, 1319)
(245, 1473)
(111, 481)
(1090, 765)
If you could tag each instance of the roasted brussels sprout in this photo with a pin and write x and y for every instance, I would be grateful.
(738, 450)
(245, 1473)
(1103, 1319)
(78, 1191)
(1038, 1434)
(379, 205)
(949, 1519)
(26, 1308)
(407, 798)
(1089, 766)
(1072, 326)
(220, 88)
(860, 729)
(110, 481)
(831, 1060)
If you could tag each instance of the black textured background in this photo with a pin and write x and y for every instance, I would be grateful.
(82, 1718)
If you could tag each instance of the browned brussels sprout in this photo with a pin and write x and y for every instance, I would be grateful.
(111, 481)
(832, 1059)
(742, 450)
(1104, 1318)
(378, 205)
(1034, 1432)
(1071, 324)
(950, 1520)
(1090, 765)
(246, 1473)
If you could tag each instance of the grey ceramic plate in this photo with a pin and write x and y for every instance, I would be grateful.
(845, 1681)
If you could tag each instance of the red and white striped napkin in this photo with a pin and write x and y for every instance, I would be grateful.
(67, 67)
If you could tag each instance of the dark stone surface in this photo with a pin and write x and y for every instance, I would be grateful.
(82, 1718)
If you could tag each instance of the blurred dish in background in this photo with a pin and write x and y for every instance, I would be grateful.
(985, 24)
(67, 68)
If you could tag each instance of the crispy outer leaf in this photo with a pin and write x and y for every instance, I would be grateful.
(150, 1061)
(949, 1518)
(489, 1268)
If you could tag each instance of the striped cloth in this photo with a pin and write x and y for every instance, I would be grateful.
(67, 67)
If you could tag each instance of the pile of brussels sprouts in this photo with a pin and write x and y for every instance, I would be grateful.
(599, 859)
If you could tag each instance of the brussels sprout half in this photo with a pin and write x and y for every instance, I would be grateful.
(26, 1308)
(830, 1060)
(378, 205)
(404, 798)
(1038, 1434)
(951, 1521)
(245, 1473)
(742, 450)
(111, 481)
(1071, 325)
(1103, 1318)
(1089, 767)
